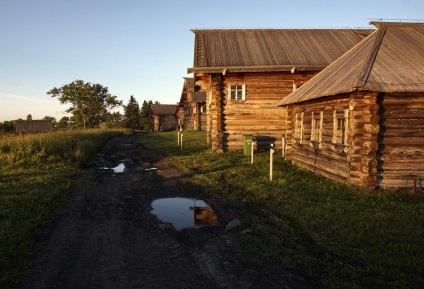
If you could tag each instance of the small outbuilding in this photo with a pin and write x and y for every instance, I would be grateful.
(361, 120)
(34, 126)
(164, 116)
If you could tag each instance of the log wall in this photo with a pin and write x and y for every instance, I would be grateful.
(323, 158)
(229, 120)
(400, 154)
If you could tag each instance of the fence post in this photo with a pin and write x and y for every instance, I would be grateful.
(271, 154)
(283, 144)
(181, 141)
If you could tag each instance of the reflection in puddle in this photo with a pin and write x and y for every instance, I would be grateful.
(119, 168)
(184, 213)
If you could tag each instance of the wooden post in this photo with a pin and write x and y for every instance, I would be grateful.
(271, 153)
(283, 146)
(181, 141)
(178, 138)
(251, 152)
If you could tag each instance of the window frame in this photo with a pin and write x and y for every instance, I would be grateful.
(317, 123)
(340, 123)
(237, 88)
(298, 127)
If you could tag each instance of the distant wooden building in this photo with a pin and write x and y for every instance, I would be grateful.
(361, 120)
(164, 116)
(245, 72)
(33, 126)
(192, 107)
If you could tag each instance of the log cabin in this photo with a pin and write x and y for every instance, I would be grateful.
(361, 120)
(164, 116)
(245, 72)
(191, 109)
(34, 126)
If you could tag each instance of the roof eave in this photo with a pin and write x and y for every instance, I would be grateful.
(237, 69)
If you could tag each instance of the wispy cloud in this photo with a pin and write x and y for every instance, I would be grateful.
(28, 98)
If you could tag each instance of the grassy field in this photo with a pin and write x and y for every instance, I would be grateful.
(333, 235)
(36, 174)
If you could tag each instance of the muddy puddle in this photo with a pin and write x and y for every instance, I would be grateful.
(117, 170)
(184, 213)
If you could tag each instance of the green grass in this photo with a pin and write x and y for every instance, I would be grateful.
(36, 176)
(333, 235)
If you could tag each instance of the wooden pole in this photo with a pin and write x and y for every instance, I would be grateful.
(181, 141)
(271, 154)
(251, 152)
(283, 145)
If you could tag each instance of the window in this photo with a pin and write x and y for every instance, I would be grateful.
(187, 111)
(340, 126)
(202, 108)
(298, 128)
(237, 92)
(316, 126)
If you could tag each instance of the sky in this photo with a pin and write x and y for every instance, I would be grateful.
(142, 47)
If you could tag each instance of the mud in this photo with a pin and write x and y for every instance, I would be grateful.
(107, 237)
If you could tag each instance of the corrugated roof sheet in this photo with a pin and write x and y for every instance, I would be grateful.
(162, 109)
(389, 60)
(269, 49)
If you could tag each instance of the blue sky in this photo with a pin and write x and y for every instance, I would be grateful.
(141, 48)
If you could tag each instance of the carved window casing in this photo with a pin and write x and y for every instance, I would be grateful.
(298, 127)
(340, 126)
(317, 127)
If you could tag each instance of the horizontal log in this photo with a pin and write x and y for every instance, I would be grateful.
(401, 166)
(402, 141)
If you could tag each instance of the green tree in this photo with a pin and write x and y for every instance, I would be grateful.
(8, 126)
(145, 119)
(89, 102)
(132, 114)
(114, 120)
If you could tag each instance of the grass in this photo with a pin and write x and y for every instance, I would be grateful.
(36, 176)
(333, 235)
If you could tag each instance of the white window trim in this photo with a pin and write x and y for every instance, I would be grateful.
(243, 89)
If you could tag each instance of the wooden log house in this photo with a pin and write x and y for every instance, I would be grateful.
(164, 116)
(361, 120)
(245, 72)
(191, 110)
(34, 126)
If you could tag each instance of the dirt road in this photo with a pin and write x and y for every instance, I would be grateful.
(107, 237)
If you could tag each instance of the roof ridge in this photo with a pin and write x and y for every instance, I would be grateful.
(369, 63)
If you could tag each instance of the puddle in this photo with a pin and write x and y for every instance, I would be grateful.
(184, 213)
(119, 168)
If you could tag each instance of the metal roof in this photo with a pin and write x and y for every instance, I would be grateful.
(271, 49)
(390, 60)
(162, 109)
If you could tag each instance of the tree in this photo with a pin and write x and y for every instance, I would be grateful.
(146, 120)
(29, 117)
(132, 114)
(89, 102)
(114, 120)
